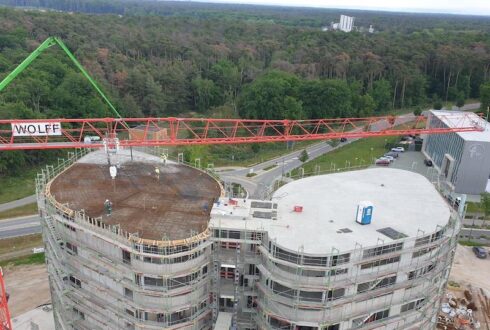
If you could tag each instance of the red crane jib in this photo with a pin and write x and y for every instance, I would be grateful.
(5, 322)
(24, 134)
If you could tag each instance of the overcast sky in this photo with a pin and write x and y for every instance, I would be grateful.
(473, 7)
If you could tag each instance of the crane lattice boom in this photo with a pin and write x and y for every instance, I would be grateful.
(18, 134)
(5, 322)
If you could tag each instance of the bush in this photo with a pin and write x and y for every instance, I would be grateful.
(437, 105)
(304, 156)
(460, 102)
(333, 143)
(255, 147)
(485, 203)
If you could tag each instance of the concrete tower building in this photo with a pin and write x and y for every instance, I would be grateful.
(141, 265)
(369, 249)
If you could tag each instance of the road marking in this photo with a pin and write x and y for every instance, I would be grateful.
(17, 218)
(19, 227)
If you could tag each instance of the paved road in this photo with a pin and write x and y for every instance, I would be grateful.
(17, 203)
(20, 226)
(476, 231)
(477, 235)
(466, 107)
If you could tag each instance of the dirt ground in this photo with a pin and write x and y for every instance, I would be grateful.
(468, 269)
(172, 203)
(28, 287)
(468, 287)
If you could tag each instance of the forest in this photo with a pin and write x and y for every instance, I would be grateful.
(196, 59)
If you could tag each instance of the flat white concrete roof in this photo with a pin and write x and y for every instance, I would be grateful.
(464, 118)
(41, 316)
(403, 200)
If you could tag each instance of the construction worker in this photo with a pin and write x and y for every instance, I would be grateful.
(108, 207)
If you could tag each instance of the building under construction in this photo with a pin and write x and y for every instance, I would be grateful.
(158, 245)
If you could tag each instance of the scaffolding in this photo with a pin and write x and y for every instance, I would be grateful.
(379, 284)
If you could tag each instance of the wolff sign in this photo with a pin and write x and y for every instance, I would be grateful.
(36, 129)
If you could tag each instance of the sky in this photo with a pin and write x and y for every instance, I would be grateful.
(463, 7)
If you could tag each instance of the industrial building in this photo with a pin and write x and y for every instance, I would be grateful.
(368, 249)
(462, 158)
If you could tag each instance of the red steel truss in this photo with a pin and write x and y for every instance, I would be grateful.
(75, 133)
(5, 323)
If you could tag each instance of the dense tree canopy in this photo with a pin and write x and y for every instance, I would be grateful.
(272, 96)
(189, 63)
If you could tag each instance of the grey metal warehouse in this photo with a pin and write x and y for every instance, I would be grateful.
(462, 158)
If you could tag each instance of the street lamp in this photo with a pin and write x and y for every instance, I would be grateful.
(282, 167)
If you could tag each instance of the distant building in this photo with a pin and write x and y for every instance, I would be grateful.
(346, 23)
(462, 158)
(371, 29)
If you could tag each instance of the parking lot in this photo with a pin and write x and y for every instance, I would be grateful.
(413, 161)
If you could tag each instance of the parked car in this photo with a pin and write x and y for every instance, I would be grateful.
(457, 201)
(392, 154)
(428, 162)
(453, 201)
(382, 162)
(398, 149)
(343, 139)
(390, 158)
(480, 252)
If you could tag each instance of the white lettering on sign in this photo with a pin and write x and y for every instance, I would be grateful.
(36, 129)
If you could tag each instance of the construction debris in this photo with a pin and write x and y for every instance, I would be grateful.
(464, 310)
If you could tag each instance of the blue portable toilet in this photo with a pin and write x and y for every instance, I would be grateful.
(364, 212)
